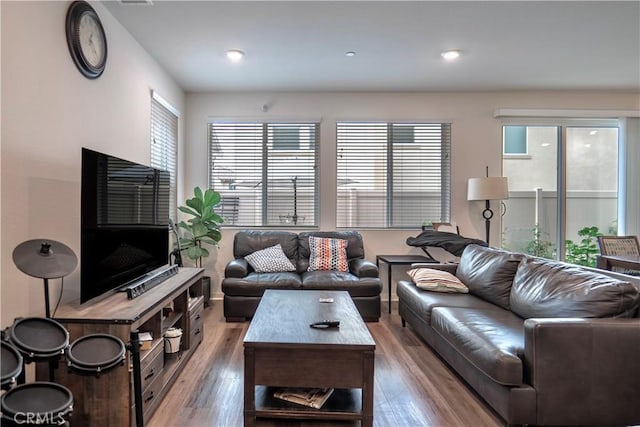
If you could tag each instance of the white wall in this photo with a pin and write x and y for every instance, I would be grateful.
(476, 143)
(50, 112)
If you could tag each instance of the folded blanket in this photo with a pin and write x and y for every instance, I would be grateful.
(451, 242)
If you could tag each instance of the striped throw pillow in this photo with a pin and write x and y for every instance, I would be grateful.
(328, 254)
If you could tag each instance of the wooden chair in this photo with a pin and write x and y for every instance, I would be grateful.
(620, 246)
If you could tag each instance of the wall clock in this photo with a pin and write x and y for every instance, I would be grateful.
(86, 39)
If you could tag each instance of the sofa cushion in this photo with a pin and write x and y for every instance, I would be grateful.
(544, 288)
(254, 284)
(327, 254)
(269, 260)
(492, 340)
(341, 281)
(248, 241)
(423, 302)
(488, 273)
(433, 280)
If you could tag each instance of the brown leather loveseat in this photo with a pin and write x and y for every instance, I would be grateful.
(243, 287)
(542, 342)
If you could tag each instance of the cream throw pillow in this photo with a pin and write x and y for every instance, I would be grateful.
(434, 280)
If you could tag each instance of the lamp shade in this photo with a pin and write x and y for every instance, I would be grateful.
(489, 188)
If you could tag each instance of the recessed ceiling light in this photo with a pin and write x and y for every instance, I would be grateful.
(235, 55)
(451, 54)
(350, 54)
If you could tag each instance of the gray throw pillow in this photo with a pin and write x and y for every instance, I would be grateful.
(270, 260)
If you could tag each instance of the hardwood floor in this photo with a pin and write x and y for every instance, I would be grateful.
(413, 387)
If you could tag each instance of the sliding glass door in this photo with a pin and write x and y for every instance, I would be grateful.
(591, 190)
(562, 188)
(530, 162)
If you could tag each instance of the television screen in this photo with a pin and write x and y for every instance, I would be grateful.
(124, 222)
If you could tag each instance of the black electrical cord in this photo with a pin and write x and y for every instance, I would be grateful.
(59, 296)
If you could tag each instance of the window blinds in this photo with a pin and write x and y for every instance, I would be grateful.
(265, 172)
(164, 147)
(392, 175)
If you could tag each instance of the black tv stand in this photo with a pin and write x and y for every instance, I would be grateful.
(148, 281)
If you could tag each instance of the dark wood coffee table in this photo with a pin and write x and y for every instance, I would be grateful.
(281, 350)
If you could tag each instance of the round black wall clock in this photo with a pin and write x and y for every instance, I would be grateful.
(86, 39)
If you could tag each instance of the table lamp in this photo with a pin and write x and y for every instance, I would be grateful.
(487, 188)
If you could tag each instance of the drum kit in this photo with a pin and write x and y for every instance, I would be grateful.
(35, 339)
(38, 339)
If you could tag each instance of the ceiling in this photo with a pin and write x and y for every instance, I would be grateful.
(301, 45)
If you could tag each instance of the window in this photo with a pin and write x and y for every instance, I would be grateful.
(393, 175)
(565, 190)
(515, 140)
(164, 144)
(266, 172)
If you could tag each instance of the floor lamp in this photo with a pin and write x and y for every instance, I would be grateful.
(488, 188)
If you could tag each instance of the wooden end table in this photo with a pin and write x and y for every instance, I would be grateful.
(281, 350)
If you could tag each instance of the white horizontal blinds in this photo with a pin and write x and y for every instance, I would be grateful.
(419, 184)
(235, 171)
(253, 166)
(392, 175)
(164, 147)
(291, 184)
(362, 174)
(445, 173)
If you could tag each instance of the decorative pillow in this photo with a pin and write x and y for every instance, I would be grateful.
(434, 280)
(270, 260)
(327, 254)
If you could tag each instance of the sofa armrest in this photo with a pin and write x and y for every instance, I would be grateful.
(584, 371)
(363, 268)
(237, 268)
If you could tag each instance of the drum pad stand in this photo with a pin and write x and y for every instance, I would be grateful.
(137, 373)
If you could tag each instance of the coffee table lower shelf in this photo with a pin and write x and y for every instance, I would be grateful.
(344, 404)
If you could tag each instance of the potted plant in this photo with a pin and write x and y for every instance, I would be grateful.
(202, 228)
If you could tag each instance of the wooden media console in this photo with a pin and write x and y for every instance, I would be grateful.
(107, 399)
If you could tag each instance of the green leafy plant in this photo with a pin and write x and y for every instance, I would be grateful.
(203, 227)
(584, 252)
(539, 246)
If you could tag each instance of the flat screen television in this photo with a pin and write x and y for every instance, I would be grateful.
(124, 222)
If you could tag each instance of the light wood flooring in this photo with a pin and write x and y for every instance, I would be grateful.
(413, 387)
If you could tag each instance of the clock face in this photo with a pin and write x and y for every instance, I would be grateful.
(91, 40)
(86, 39)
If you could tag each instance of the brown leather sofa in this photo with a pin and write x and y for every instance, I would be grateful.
(542, 342)
(243, 287)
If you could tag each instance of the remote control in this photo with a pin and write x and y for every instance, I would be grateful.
(326, 324)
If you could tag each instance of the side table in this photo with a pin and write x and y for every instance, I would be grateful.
(392, 260)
